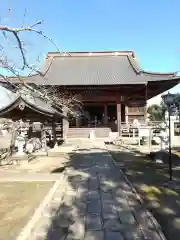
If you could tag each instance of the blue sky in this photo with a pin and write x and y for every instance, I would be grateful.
(149, 28)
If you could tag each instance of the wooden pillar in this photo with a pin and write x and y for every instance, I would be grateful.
(126, 114)
(118, 107)
(77, 122)
(105, 114)
(43, 138)
(54, 133)
(145, 114)
(145, 107)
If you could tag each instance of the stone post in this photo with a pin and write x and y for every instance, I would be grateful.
(118, 106)
(172, 132)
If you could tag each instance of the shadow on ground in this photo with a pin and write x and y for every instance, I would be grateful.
(164, 156)
(96, 204)
(148, 178)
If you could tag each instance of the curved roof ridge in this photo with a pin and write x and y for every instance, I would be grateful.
(39, 105)
(138, 70)
(173, 74)
(134, 64)
(11, 105)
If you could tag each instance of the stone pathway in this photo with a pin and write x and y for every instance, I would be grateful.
(95, 203)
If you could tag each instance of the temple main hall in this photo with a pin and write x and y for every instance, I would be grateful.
(111, 85)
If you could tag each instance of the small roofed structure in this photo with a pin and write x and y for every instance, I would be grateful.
(40, 119)
(28, 107)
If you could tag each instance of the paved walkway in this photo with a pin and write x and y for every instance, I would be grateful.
(94, 203)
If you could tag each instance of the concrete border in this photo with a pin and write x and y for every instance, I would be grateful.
(26, 231)
(151, 217)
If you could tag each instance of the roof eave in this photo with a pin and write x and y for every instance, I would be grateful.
(159, 74)
(10, 106)
(13, 105)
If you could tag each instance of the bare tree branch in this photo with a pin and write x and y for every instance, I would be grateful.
(50, 95)
(16, 31)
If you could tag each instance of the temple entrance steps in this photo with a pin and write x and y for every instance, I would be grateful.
(85, 132)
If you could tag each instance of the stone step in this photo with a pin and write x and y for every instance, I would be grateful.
(84, 132)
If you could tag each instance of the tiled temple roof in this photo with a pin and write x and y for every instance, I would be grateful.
(95, 68)
(34, 103)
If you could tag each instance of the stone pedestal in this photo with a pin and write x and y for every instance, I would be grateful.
(20, 156)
